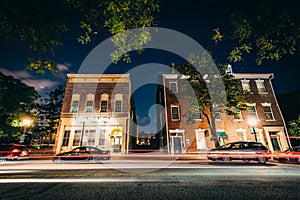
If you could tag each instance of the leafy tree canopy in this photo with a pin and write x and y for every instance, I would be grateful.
(40, 25)
(267, 29)
(17, 100)
(294, 127)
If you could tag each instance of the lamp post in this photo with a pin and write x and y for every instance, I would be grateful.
(252, 123)
(25, 122)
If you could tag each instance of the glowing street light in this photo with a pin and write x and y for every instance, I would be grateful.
(252, 123)
(26, 122)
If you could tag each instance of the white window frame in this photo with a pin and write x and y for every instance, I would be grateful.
(178, 112)
(239, 113)
(271, 111)
(172, 88)
(243, 131)
(252, 105)
(246, 85)
(89, 108)
(75, 98)
(261, 88)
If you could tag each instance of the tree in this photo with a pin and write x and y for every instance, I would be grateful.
(49, 113)
(294, 128)
(202, 101)
(267, 29)
(17, 100)
(41, 25)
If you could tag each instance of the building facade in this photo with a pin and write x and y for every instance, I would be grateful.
(95, 111)
(261, 122)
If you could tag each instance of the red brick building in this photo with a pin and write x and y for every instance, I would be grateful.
(95, 111)
(262, 121)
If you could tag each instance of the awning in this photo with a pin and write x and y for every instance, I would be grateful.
(222, 134)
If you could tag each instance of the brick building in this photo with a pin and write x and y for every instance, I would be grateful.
(262, 121)
(95, 111)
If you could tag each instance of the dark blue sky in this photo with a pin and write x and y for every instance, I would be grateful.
(187, 17)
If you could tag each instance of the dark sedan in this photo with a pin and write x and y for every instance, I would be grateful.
(245, 151)
(289, 155)
(13, 152)
(84, 153)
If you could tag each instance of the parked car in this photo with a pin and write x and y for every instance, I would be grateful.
(240, 151)
(10, 152)
(84, 153)
(289, 155)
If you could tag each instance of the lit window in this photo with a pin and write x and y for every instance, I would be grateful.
(74, 107)
(89, 106)
(75, 103)
(102, 137)
(175, 113)
(173, 87)
(252, 112)
(260, 86)
(246, 85)
(268, 112)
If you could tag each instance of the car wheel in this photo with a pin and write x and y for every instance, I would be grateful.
(262, 160)
(298, 160)
(226, 159)
(94, 159)
(3, 159)
(56, 160)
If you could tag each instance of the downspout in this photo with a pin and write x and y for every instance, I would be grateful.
(166, 115)
(284, 124)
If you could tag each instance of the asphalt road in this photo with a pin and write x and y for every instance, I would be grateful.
(150, 180)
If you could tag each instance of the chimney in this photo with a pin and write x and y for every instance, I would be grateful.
(172, 68)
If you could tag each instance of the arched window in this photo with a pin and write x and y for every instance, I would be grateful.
(89, 103)
(75, 103)
(104, 103)
(118, 102)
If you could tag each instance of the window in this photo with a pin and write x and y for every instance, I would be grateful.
(77, 136)
(252, 112)
(89, 103)
(118, 106)
(89, 106)
(246, 85)
(198, 115)
(75, 103)
(118, 103)
(173, 87)
(175, 113)
(89, 137)
(66, 138)
(241, 134)
(260, 86)
(217, 115)
(237, 114)
(268, 111)
(104, 103)
(102, 137)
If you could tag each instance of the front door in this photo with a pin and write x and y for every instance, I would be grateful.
(176, 144)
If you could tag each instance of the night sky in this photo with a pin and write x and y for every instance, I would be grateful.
(186, 17)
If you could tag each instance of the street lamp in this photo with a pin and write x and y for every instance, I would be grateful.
(25, 122)
(252, 123)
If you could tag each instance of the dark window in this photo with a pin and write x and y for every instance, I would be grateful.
(66, 138)
(103, 105)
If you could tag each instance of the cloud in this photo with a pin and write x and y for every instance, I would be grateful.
(18, 74)
(39, 84)
(63, 69)
(28, 79)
